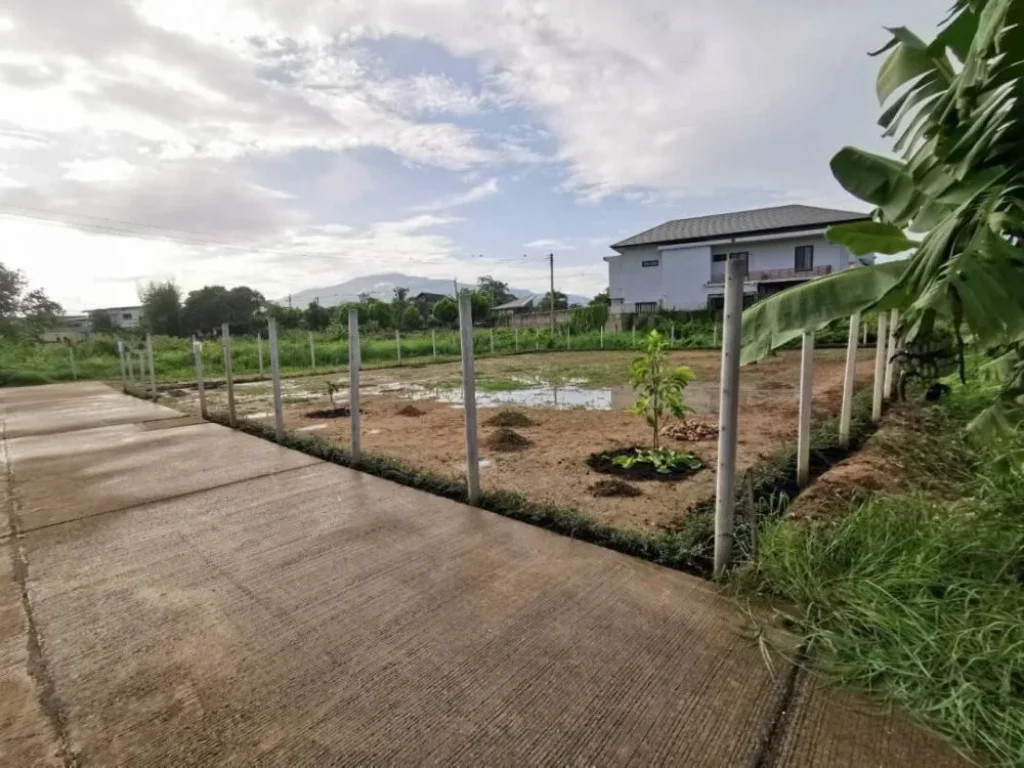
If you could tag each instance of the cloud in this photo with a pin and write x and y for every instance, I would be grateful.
(472, 195)
(550, 244)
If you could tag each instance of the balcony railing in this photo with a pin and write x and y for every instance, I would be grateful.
(769, 275)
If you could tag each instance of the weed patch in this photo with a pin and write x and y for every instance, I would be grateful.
(609, 488)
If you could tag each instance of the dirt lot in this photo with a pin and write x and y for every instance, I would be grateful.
(591, 415)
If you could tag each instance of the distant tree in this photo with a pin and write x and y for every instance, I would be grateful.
(497, 291)
(401, 294)
(316, 317)
(481, 305)
(412, 320)
(446, 312)
(561, 301)
(341, 313)
(288, 318)
(364, 297)
(379, 314)
(29, 313)
(100, 321)
(161, 308)
(398, 305)
(242, 308)
(601, 299)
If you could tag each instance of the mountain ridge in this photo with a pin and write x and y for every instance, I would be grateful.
(381, 286)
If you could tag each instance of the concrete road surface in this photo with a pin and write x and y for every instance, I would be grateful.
(174, 593)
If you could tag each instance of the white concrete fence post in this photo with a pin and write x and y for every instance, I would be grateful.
(433, 340)
(865, 334)
(225, 338)
(259, 350)
(275, 378)
(197, 352)
(600, 336)
(515, 335)
(469, 398)
(894, 321)
(849, 376)
(881, 343)
(120, 357)
(492, 341)
(312, 351)
(633, 330)
(398, 345)
(354, 363)
(672, 335)
(152, 368)
(725, 497)
(803, 451)
(568, 337)
(131, 366)
(74, 368)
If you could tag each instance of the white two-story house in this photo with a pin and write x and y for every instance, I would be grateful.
(680, 265)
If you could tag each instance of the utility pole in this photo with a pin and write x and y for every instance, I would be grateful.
(551, 261)
(289, 301)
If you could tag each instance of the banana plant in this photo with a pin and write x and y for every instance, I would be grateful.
(952, 196)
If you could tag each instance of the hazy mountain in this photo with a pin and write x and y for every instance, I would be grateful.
(382, 287)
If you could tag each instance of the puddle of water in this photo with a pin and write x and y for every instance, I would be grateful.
(700, 396)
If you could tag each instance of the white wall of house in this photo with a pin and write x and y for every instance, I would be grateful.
(680, 279)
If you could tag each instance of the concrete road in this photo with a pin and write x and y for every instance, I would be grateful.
(174, 593)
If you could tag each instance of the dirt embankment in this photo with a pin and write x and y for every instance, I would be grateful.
(913, 449)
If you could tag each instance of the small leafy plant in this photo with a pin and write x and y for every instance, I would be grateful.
(659, 386)
(664, 460)
(331, 389)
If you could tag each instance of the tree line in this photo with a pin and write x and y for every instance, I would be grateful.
(246, 310)
(24, 313)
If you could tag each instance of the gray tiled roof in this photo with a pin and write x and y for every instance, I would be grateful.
(765, 220)
(522, 303)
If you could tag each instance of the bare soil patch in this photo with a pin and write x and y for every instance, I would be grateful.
(604, 462)
(507, 417)
(505, 439)
(554, 469)
(410, 410)
(613, 487)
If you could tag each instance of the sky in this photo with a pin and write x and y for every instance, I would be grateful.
(291, 144)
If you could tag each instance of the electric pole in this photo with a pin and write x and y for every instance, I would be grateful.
(551, 261)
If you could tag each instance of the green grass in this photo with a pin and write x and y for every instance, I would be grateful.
(96, 358)
(920, 597)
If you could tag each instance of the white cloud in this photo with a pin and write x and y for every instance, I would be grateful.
(473, 195)
(551, 244)
(105, 169)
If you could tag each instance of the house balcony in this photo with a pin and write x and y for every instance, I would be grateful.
(777, 275)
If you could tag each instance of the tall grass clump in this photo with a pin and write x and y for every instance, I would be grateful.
(920, 599)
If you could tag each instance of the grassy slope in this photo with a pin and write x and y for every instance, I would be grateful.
(918, 599)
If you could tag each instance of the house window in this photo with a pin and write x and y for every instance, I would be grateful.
(804, 258)
(650, 263)
(646, 307)
(718, 261)
(126, 315)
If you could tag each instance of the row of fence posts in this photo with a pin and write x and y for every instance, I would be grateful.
(728, 407)
(126, 358)
(884, 372)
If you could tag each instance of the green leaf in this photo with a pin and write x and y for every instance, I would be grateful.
(908, 60)
(787, 315)
(863, 237)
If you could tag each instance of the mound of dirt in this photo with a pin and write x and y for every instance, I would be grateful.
(410, 410)
(505, 439)
(509, 418)
(691, 431)
(614, 488)
(330, 413)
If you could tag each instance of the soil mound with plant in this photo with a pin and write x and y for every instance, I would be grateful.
(605, 464)
(691, 431)
(330, 413)
(505, 439)
(509, 418)
(606, 488)
(410, 410)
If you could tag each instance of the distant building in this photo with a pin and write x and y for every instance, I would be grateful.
(68, 328)
(516, 307)
(122, 317)
(680, 265)
(429, 299)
